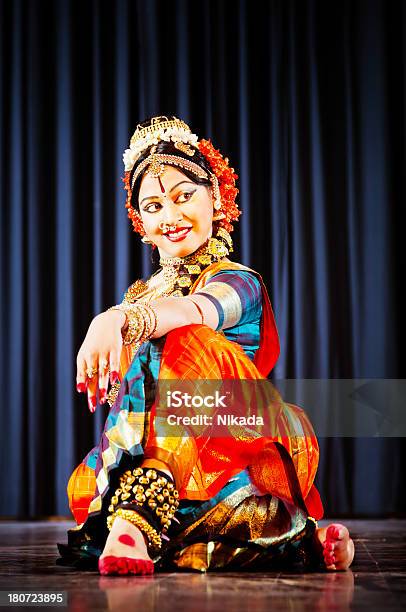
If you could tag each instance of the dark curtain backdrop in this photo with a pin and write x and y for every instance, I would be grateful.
(308, 101)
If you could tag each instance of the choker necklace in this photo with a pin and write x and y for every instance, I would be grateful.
(180, 273)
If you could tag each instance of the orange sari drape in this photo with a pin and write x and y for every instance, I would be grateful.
(283, 465)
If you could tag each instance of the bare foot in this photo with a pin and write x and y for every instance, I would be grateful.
(337, 546)
(125, 551)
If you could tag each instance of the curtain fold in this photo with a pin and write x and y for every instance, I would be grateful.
(307, 99)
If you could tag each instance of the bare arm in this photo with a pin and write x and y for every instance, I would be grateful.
(174, 312)
(103, 342)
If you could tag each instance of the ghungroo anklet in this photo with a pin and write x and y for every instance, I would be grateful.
(148, 499)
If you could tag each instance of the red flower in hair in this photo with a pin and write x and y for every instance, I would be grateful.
(226, 178)
(132, 213)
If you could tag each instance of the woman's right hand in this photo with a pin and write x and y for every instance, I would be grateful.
(99, 353)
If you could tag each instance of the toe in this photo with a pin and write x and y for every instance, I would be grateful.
(336, 531)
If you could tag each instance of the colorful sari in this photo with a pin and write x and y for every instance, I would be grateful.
(246, 500)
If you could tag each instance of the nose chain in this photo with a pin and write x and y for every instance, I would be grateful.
(164, 227)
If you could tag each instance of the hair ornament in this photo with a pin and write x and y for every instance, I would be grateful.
(226, 178)
(160, 128)
(222, 177)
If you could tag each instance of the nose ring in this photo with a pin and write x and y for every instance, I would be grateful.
(165, 227)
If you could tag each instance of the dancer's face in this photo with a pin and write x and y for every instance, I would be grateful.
(172, 199)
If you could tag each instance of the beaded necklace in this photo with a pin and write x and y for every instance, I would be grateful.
(180, 273)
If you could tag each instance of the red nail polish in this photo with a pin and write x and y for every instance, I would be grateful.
(92, 403)
(114, 377)
(81, 387)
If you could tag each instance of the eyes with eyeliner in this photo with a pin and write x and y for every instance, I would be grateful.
(183, 197)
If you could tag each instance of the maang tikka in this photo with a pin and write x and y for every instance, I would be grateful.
(173, 129)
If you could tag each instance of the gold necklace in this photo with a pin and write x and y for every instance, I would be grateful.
(180, 273)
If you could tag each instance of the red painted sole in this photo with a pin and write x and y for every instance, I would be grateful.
(124, 566)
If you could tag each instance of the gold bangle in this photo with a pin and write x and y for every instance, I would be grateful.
(135, 328)
(197, 306)
(142, 321)
(152, 316)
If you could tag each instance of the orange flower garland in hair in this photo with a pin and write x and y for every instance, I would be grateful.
(226, 178)
(133, 215)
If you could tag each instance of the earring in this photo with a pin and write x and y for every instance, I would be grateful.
(216, 192)
(218, 216)
(146, 240)
(217, 202)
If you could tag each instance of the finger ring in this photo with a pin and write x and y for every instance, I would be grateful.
(90, 372)
(104, 366)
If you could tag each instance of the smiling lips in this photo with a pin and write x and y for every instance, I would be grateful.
(178, 235)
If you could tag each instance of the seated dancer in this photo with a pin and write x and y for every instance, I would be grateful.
(146, 499)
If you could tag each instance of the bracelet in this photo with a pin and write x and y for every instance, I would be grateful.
(198, 308)
(142, 321)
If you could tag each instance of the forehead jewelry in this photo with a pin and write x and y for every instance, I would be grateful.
(162, 128)
(156, 166)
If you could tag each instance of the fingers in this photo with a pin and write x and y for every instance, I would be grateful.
(93, 371)
(81, 378)
(92, 393)
(114, 366)
(86, 378)
(93, 376)
(103, 379)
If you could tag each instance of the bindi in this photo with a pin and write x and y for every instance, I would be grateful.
(160, 184)
(126, 539)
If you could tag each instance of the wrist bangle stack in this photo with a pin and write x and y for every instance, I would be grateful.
(142, 321)
(148, 499)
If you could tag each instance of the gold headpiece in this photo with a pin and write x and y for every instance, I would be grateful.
(221, 175)
(160, 128)
(157, 161)
(156, 126)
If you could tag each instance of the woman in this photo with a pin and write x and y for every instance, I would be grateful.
(154, 495)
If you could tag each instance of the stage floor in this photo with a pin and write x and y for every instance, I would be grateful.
(376, 581)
